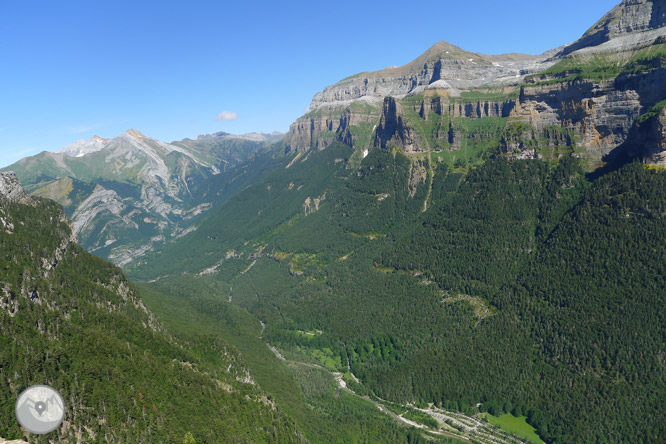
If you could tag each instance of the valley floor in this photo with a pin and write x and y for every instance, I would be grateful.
(470, 429)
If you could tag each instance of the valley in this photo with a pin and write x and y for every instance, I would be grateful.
(467, 248)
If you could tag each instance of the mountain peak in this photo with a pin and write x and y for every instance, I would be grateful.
(82, 147)
(443, 66)
(135, 134)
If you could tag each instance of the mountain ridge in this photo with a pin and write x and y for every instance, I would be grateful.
(630, 16)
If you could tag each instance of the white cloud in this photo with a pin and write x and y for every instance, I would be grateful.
(226, 116)
(8, 157)
(79, 129)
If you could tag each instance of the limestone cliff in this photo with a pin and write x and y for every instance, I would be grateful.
(599, 114)
(347, 110)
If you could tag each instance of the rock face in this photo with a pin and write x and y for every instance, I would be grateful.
(599, 114)
(352, 125)
(629, 17)
(585, 98)
(11, 190)
(422, 124)
(648, 138)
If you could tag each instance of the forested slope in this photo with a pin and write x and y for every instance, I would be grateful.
(73, 321)
(525, 286)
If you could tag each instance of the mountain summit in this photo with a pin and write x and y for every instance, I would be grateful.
(82, 147)
(442, 66)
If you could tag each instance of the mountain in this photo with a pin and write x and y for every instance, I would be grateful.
(351, 110)
(132, 193)
(473, 249)
(594, 98)
(74, 322)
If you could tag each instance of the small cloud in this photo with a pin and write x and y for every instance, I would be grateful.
(226, 116)
(81, 129)
(22, 153)
(18, 155)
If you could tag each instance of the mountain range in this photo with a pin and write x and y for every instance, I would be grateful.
(461, 241)
(598, 98)
(131, 194)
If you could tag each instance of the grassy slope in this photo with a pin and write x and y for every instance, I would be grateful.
(602, 66)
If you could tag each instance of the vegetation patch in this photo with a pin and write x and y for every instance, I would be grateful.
(489, 95)
(601, 66)
(481, 309)
(300, 262)
(514, 425)
(652, 112)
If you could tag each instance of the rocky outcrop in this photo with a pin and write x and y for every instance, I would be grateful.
(631, 17)
(647, 139)
(654, 139)
(318, 130)
(11, 190)
(597, 114)
(428, 123)
(393, 128)
(311, 205)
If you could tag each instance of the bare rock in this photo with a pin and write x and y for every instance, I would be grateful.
(11, 190)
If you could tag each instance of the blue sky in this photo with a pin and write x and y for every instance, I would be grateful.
(73, 69)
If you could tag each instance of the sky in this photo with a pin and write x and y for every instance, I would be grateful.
(73, 69)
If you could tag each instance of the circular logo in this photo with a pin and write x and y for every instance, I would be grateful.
(40, 409)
